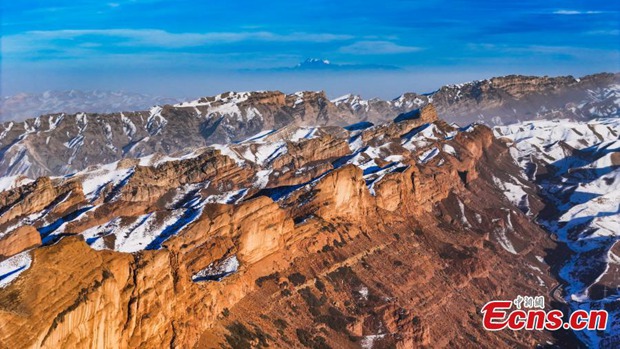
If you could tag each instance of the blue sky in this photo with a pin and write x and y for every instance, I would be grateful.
(190, 48)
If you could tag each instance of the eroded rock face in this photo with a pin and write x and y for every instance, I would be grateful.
(20, 239)
(393, 235)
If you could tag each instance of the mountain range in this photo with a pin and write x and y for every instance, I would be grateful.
(62, 143)
(262, 219)
(304, 237)
(499, 100)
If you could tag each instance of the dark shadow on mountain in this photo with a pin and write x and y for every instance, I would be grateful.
(410, 115)
(50, 228)
(188, 216)
(208, 128)
(414, 132)
(4, 276)
(359, 126)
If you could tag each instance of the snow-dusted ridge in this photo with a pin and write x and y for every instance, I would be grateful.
(228, 98)
(228, 117)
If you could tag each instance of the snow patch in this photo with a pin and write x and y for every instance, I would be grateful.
(12, 182)
(11, 268)
(428, 155)
(217, 270)
(368, 341)
(447, 148)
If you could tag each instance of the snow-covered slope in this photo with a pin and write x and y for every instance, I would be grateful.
(577, 166)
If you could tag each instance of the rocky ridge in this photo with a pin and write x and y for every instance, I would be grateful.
(387, 235)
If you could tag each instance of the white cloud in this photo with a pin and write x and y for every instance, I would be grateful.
(377, 47)
(612, 32)
(573, 52)
(37, 40)
(575, 12)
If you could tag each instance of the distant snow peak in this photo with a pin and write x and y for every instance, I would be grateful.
(314, 61)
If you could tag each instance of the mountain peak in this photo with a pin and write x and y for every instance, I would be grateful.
(317, 60)
(314, 63)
